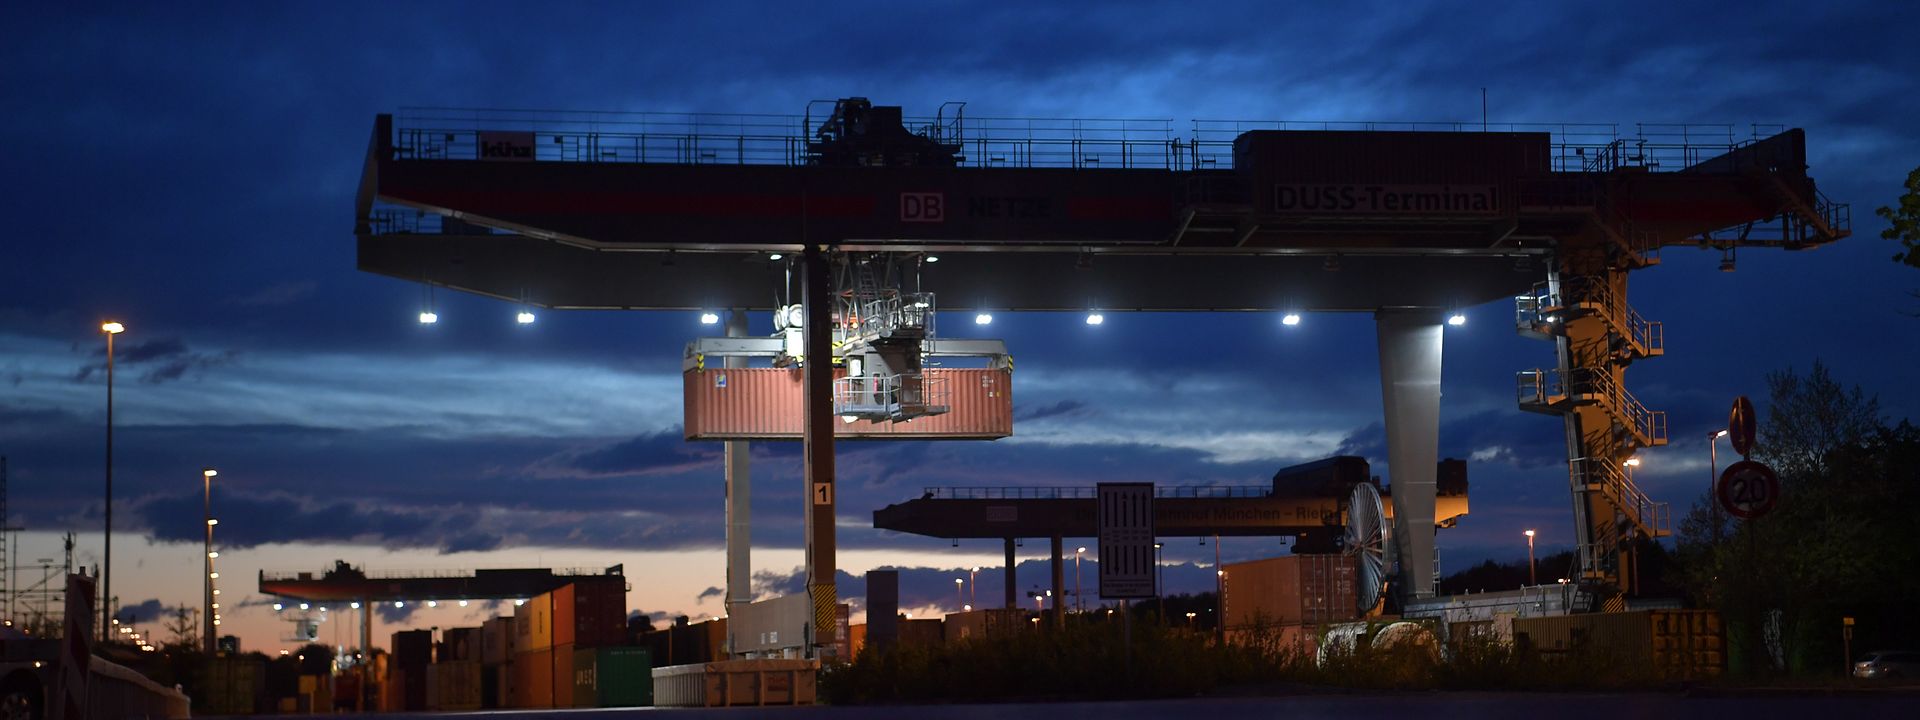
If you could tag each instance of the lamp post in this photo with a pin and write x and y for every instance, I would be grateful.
(206, 508)
(973, 586)
(959, 592)
(1713, 459)
(1159, 576)
(1532, 576)
(106, 574)
(1079, 602)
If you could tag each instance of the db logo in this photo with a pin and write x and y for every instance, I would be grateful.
(923, 207)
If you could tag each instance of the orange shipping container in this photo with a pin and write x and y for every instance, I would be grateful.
(533, 624)
(561, 681)
(533, 679)
(1291, 590)
(765, 404)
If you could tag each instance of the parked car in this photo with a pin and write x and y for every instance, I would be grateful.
(1888, 664)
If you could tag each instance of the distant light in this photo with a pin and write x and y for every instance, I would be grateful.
(1095, 318)
(355, 606)
(433, 603)
(214, 575)
(427, 318)
(1529, 533)
(1632, 462)
(303, 606)
(524, 318)
(966, 608)
(398, 603)
(216, 591)
(213, 521)
(1080, 550)
(216, 623)
(959, 581)
(1720, 434)
(933, 258)
(518, 603)
(1290, 319)
(278, 607)
(983, 319)
(707, 318)
(216, 606)
(213, 553)
(773, 256)
(112, 328)
(463, 603)
(1457, 320)
(209, 472)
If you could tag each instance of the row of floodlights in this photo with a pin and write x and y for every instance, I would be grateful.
(1093, 318)
(277, 607)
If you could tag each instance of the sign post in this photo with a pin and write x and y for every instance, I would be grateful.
(1846, 643)
(1125, 529)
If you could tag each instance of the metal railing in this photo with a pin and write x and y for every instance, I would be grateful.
(1541, 306)
(1083, 492)
(891, 397)
(985, 142)
(1653, 518)
(1545, 388)
(868, 317)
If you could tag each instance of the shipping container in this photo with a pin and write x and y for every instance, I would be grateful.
(235, 686)
(1291, 590)
(412, 649)
(991, 622)
(496, 686)
(459, 644)
(1677, 644)
(921, 633)
(765, 404)
(735, 683)
(406, 689)
(496, 641)
(533, 624)
(562, 679)
(453, 685)
(612, 677)
(533, 679)
(591, 613)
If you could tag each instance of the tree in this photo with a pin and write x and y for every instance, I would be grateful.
(1837, 543)
(1904, 222)
(185, 629)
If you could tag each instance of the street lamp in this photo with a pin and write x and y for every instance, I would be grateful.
(1159, 576)
(206, 509)
(106, 575)
(973, 585)
(1079, 604)
(1530, 569)
(1713, 458)
(959, 591)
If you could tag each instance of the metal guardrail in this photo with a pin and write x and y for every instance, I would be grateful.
(412, 574)
(904, 396)
(1653, 518)
(1544, 387)
(1087, 143)
(1082, 492)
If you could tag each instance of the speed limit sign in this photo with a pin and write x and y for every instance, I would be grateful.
(1748, 489)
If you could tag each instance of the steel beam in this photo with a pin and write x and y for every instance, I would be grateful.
(817, 441)
(739, 503)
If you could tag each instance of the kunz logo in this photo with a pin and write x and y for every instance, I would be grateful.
(509, 146)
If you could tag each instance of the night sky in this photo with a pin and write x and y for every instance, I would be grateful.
(188, 169)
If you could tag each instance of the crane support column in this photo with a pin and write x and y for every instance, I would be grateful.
(1410, 388)
(739, 501)
(366, 656)
(817, 439)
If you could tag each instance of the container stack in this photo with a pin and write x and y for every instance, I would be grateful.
(407, 671)
(453, 681)
(235, 685)
(550, 628)
(612, 677)
(496, 658)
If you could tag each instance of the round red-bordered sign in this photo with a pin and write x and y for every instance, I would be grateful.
(1741, 424)
(1747, 489)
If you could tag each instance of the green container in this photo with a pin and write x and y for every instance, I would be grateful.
(612, 677)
